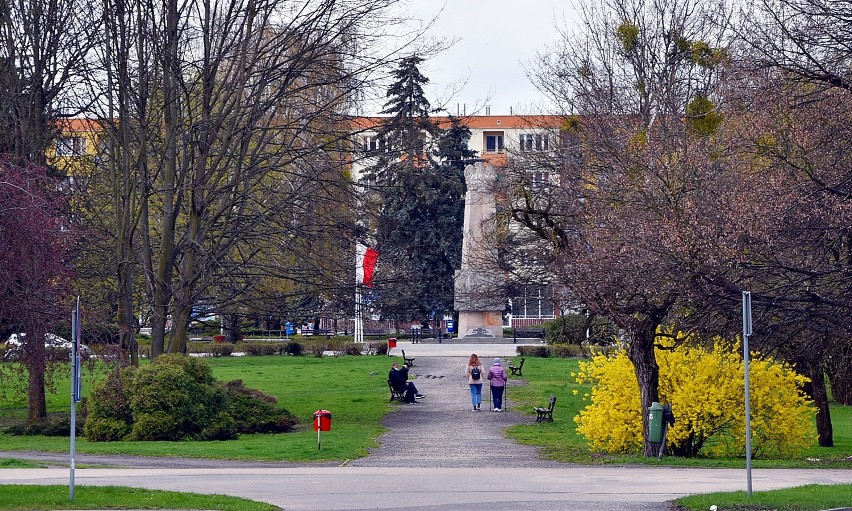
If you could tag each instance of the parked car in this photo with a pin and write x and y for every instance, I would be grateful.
(55, 345)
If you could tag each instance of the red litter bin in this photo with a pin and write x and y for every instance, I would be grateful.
(391, 342)
(322, 420)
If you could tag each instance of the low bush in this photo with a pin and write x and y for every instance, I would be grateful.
(293, 348)
(262, 348)
(352, 348)
(58, 425)
(221, 350)
(255, 411)
(533, 351)
(177, 398)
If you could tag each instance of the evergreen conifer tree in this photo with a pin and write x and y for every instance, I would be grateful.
(422, 202)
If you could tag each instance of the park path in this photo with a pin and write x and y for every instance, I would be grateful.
(442, 430)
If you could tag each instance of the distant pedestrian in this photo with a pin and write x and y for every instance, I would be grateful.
(474, 372)
(497, 377)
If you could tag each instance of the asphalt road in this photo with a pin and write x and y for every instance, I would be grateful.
(438, 455)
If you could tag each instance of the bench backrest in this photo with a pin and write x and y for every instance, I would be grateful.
(552, 403)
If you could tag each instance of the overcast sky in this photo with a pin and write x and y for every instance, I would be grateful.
(496, 39)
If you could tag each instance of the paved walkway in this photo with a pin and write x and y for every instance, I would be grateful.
(442, 430)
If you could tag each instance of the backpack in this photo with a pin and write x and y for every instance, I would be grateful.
(475, 373)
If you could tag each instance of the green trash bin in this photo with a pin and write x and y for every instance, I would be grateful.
(655, 422)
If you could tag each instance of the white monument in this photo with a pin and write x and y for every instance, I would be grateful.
(479, 287)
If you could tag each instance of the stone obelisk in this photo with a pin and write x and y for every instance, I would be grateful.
(479, 287)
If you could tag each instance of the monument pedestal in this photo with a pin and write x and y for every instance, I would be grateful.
(481, 324)
(479, 287)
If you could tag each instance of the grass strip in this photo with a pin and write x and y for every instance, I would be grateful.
(35, 497)
(812, 497)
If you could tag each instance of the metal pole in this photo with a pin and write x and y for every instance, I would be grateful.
(75, 387)
(746, 333)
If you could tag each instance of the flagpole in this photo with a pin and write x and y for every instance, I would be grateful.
(359, 321)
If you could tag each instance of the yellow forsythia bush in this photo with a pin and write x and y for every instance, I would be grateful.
(705, 389)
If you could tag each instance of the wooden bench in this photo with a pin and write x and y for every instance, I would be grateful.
(398, 394)
(545, 414)
(407, 360)
(527, 333)
(517, 370)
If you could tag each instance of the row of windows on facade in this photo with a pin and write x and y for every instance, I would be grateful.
(534, 302)
(493, 143)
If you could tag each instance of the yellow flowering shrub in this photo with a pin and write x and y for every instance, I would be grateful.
(705, 389)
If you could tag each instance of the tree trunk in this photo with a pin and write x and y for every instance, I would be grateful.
(819, 393)
(231, 327)
(641, 354)
(35, 357)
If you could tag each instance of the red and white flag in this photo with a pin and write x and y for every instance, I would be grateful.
(365, 263)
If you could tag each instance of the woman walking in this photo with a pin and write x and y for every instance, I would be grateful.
(474, 379)
(497, 377)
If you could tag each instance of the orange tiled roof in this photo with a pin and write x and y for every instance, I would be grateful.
(477, 121)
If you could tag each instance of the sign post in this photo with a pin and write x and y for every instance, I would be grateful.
(76, 388)
(746, 335)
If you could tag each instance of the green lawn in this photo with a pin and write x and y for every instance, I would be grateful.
(558, 440)
(25, 497)
(353, 388)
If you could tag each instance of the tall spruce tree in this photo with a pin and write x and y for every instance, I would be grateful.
(422, 201)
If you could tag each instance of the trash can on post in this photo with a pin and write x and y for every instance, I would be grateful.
(391, 342)
(322, 420)
(655, 422)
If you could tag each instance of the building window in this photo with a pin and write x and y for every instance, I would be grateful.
(534, 142)
(494, 142)
(71, 146)
(540, 179)
(533, 302)
(374, 144)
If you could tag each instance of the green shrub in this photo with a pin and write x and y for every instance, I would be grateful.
(177, 398)
(223, 427)
(293, 348)
(221, 350)
(568, 351)
(157, 425)
(177, 390)
(57, 425)
(533, 351)
(317, 348)
(352, 348)
(261, 348)
(109, 405)
(255, 411)
(105, 429)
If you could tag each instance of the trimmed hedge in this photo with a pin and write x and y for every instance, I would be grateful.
(564, 351)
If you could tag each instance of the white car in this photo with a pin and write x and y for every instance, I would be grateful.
(52, 342)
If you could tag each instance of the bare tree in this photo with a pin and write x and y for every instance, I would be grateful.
(629, 165)
(226, 160)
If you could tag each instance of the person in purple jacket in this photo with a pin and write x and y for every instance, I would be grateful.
(497, 377)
